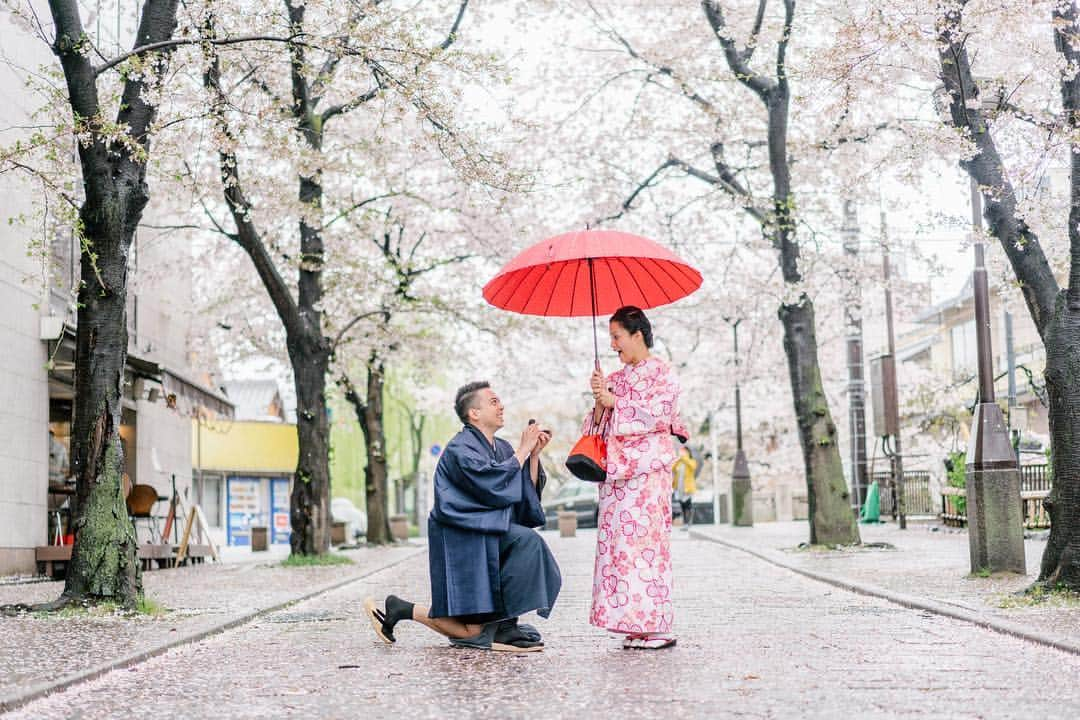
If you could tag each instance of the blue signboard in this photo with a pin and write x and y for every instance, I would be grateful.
(245, 509)
(280, 528)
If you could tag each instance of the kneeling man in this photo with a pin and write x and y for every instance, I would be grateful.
(487, 565)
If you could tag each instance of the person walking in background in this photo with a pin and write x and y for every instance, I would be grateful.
(637, 411)
(684, 471)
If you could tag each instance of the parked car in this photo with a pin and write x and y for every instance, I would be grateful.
(703, 507)
(576, 495)
(355, 519)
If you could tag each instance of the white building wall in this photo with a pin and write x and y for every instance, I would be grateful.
(24, 395)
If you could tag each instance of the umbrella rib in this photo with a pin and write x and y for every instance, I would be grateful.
(632, 277)
(618, 290)
(663, 267)
(547, 306)
(524, 277)
(653, 276)
(688, 274)
(573, 288)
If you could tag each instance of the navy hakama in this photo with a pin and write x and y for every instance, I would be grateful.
(486, 563)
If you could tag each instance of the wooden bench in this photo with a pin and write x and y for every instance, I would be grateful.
(1035, 514)
(46, 555)
(950, 511)
(149, 554)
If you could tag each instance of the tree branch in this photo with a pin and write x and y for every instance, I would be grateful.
(1020, 243)
(247, 235)
(761, 85)
(177, 42)
(349, 326)
(684, 87)
(781, 47)
(1067, 43)
(452, 35)
(356, 206)
(751, 42)
(342, 108)
(628, 203)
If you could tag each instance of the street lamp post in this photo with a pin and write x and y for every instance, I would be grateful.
(741, 490)
(892, 402)
(856, 384)
(995, 515)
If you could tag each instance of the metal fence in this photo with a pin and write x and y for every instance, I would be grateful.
(1035, 485)
(917, 500)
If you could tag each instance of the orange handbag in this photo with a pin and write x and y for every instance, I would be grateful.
(588, 458)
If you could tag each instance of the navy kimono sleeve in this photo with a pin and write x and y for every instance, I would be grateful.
(529, 512)
(490, 482)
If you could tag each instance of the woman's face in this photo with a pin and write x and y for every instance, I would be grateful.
(630, 348)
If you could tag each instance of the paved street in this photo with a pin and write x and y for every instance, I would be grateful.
(755, 641)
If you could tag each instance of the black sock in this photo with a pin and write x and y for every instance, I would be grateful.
(397, 610)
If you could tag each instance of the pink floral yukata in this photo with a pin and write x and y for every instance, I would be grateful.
(632, 575)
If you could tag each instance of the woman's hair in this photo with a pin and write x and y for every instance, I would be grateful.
(633, 320)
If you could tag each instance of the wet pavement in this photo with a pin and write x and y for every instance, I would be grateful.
(926, 560)
(755, 641)
(38, 648)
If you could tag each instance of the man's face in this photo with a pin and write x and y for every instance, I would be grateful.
(487, 411)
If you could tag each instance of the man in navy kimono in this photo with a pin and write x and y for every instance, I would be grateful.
(487, 565)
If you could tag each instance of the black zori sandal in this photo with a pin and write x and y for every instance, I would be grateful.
(383, 622)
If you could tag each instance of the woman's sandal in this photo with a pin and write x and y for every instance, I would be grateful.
(638, 642)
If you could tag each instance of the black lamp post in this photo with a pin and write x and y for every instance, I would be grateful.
(994, 511)
(742, 494)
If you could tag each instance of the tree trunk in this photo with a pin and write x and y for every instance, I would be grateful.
(831, 519)
(104, 565)
(1061, 559)
(309, 510)
(375, 472)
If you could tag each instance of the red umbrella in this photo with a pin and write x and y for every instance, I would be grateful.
(591, 272)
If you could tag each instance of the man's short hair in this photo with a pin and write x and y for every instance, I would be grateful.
(466, 398)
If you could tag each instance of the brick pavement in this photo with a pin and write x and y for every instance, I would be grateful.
(922, 563)
(37, 649)
(755, 641)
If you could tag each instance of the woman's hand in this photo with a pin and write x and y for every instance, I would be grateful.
(602, 396)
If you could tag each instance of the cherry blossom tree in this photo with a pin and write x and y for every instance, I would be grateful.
(106, 108)
(728, 64)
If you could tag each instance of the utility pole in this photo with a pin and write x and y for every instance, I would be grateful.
(1010, 358)
(995, 514)
(742, 491)
(856, 387)
(892, 399)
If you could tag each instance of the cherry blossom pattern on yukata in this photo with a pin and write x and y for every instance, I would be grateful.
(632, 575)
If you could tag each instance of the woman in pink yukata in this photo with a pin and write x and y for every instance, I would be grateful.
(637, 411)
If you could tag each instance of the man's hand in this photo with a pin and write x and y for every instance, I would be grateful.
(541, 442)
(529, 438)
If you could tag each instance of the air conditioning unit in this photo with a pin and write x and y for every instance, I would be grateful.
(51, 327)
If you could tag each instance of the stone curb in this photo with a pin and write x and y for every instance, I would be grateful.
(909, 601)
(39, 691)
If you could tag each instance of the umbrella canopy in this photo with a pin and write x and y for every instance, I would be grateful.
(591, 272)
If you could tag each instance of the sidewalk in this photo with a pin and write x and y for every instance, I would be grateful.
(40, 652)
(925, 568)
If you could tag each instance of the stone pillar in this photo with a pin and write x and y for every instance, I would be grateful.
(784, 511)
(742, 494)
(995, 514)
